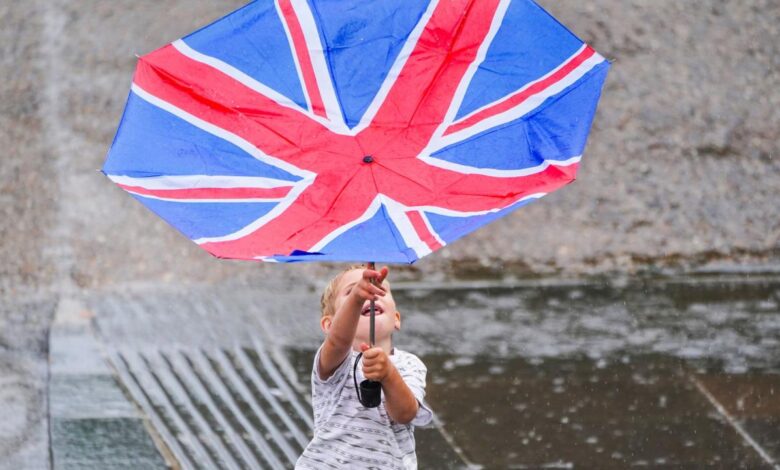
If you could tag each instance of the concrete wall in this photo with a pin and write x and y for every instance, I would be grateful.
(681, 170)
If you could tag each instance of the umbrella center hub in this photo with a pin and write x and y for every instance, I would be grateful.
(368, 159)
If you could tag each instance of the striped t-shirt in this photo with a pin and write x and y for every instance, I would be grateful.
(348, 435)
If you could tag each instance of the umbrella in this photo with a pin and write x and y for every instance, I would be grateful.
(295, 130)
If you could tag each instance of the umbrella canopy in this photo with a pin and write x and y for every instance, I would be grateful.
(295, 130)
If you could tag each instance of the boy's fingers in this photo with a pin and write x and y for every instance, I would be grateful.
(364, 346)
(371, 368)
(378, 290)
(382, 274)
(368, 353)
(376, 277)
(372, 352)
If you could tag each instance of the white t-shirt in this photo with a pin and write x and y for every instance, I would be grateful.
(348, 435)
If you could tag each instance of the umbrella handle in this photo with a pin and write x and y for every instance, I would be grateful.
(369, 393)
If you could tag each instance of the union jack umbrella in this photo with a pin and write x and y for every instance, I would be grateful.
(303, 130)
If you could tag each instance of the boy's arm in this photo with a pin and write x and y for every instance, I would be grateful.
(400, 402)
(342, 330)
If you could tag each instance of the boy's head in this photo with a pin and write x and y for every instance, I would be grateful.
(387, 316)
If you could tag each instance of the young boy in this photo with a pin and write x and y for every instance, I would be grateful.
(347, 434)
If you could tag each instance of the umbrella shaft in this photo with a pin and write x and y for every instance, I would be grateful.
(371, 336)
(371, 326)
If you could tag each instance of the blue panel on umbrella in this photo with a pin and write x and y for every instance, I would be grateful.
(558, 130)
(505, 148)
(152, 142)
(205, 219)
(370, 33)
(450, 229)
(252, 39)
(371, 240)
(529, 44)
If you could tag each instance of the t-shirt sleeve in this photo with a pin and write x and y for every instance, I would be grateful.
(325, 392)
(337, 377)
(413, 373)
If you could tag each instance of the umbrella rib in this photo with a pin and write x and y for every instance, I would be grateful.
(401, 245)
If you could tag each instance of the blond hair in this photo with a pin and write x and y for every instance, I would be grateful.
(328, 298)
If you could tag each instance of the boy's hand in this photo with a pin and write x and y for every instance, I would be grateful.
(368, 290)
(376, 364)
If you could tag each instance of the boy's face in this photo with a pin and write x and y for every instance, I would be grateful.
(387, 316)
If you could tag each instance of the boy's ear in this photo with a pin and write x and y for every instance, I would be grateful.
(397, 320)
(325, 323)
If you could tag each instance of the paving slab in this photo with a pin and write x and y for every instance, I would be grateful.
(751, 403)
(24, 430)
(583, 413)
(92, 423)
(96, 444)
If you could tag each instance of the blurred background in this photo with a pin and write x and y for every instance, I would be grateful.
(630, 319)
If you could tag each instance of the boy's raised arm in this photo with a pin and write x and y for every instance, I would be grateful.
(341, 333)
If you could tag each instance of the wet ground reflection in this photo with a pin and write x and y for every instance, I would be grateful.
(658, 375)
(642, 411)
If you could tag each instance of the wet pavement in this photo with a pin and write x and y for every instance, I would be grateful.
(669, 374)
(581, 413)
(665, 373)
